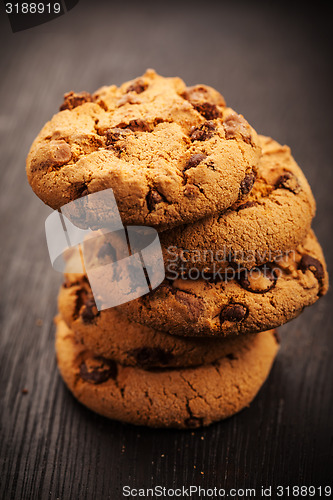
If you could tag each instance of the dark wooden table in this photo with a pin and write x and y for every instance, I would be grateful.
(272, 65)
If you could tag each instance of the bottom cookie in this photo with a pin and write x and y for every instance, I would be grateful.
(180, 398)
(110, 334)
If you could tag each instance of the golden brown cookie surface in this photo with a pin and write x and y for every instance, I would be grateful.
(172, 154)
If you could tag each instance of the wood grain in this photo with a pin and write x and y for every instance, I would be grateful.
(272, 66)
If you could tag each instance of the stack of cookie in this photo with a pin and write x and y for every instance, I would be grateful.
(233, 211)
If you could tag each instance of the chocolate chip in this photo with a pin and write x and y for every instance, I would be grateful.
(73, 99)
(153, 198)
(247, 204)
(195, 160)
(193, 422)
(231, 356)
(135, 125)
(258, 280)
(151, 356)
(51, 154)
(288, 181)
(138, 86)
(98, 370)
(247, 183)
(310, 263)
(204, 132)
(234, 313)
(203, 93)
(115, 134)
(235, 125)
(89, 311)
(209, 111)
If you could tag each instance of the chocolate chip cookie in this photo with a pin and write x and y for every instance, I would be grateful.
(275, 218)
(110, 334)
(252, 301)
(179, 397)
(172, 154)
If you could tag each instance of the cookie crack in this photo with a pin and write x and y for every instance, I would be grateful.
(197, 395)
(149, 398)
(201, 189)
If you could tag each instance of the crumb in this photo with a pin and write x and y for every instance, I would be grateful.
(24, 391)
(39, 322)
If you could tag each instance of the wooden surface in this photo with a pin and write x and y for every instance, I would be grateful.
(272, 65)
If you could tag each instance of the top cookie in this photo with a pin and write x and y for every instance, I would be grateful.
(172, 154)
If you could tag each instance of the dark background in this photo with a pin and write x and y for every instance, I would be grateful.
(272, 64)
